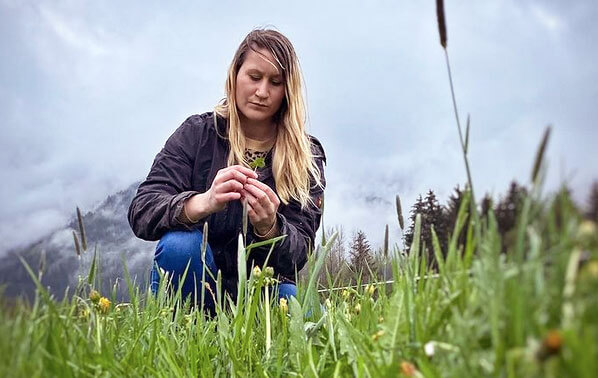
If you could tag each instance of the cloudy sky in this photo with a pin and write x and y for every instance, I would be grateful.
(90, 91)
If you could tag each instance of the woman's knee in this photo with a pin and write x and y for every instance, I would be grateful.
(177, 249)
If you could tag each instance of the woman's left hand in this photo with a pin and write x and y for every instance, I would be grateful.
(262, 205)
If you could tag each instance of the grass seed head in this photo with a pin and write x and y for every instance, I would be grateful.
(81, 230)
(540, 154)
(77, 247)
(400, 212)
(441, 22)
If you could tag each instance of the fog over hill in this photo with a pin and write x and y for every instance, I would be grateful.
(108, 232)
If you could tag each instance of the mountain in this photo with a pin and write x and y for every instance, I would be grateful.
(108, 233)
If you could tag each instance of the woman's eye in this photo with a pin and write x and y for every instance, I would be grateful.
(254, 77)
(276, 82)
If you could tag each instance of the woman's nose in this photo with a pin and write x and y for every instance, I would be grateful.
(262, 89)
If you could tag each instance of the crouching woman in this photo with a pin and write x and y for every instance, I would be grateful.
(204, 172)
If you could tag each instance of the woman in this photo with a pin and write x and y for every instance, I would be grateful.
(202, 175)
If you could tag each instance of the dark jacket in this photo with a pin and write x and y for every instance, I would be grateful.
(186, 166)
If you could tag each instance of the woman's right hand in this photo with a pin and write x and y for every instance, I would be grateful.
(226, 187)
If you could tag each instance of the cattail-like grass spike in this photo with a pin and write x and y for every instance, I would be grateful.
(81, 230)
(540, 154)
(77, 247)
(441, 22)
(400, 213)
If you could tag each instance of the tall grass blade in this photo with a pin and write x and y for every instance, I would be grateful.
(467, 134)
(92, 269)
(241, 271)
(245, 207)
(385, 250)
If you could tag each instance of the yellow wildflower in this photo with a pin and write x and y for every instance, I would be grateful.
(104, 305)
(284, 307)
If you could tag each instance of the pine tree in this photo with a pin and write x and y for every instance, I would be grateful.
(361, 257)
(452, 212)
(487, 204)
(418, 208)
(507, 209)
(434, 215)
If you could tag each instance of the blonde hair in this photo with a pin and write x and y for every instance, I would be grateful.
(293, 163)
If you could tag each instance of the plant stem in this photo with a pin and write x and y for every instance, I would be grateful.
(268, 336)
(469, 180)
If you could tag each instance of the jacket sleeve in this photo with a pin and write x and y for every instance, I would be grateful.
(156, 207)
(299, 225)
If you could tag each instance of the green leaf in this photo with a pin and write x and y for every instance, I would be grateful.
(258, 163)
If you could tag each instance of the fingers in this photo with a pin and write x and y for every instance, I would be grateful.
(262, 204)
(259, 189)
(258, 200)
(230, 186)
(244, 171)
(230, 174)
(227, 197)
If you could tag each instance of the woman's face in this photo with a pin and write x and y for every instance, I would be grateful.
(260, 87)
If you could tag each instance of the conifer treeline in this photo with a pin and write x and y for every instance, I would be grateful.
(344, 265)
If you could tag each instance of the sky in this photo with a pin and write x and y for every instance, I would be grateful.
(90, 91)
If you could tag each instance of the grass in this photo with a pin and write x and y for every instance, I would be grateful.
(529, 312)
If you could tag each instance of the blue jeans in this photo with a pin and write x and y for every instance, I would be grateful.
(176, 250)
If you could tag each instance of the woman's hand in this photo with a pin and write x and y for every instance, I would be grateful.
(227, 186)
(262, 205)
